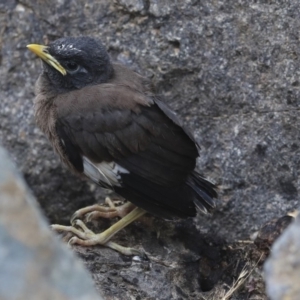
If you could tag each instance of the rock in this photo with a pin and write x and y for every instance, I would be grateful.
(230, 69)
(282, 269)
(268, 234)
(159, 8)
(33, 263)
(132, 6)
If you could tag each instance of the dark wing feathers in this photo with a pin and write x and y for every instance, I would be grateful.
(155, 152)
(168, 112)
(172, 202)
(143, 136)
(133, 136)
(169, 135)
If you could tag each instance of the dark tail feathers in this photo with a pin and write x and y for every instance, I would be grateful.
(204, 190)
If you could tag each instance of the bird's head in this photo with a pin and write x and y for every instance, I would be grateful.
(74, 62)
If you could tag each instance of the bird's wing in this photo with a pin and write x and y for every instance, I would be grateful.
(125, 131)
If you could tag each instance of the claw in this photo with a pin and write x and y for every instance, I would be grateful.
(100, 211)
(73, 222)
(72, 241)
(86, 237)
(90, 216)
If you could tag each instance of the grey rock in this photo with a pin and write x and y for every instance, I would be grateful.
(132, 6)
(230, 69)
(33, 263)
(159, 8)
(282, 269)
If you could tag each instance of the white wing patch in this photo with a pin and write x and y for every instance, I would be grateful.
(107, 173)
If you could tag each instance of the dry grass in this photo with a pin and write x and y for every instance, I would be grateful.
(223, 293)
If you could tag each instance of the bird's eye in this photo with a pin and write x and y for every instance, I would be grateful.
(71, 66)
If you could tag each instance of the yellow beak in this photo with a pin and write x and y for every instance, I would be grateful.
(42, 52)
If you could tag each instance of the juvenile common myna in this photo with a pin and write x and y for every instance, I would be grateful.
(106, 123)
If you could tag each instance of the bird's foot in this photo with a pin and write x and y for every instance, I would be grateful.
(100, 211)
(85, 237)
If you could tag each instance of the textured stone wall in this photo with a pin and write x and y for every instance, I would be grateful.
(33, 263)
(230, 69)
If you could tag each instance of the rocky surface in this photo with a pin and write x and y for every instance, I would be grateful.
(230, 69)
(33, 263)
(282, 269)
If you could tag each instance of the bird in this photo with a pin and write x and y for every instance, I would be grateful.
(107, 124)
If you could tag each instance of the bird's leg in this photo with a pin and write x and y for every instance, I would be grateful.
(86, 237)
(100, 211)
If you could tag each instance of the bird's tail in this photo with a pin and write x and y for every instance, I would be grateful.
(204, 190)
(169, 202)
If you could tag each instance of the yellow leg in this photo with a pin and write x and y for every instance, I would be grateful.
(100, 211)
(86, 237)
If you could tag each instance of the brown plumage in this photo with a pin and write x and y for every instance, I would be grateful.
(106, 123)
